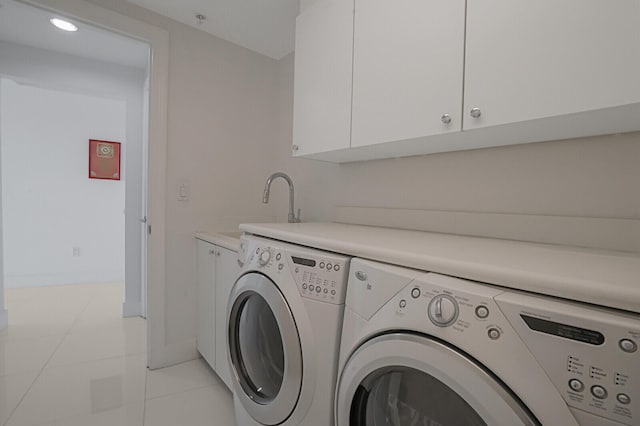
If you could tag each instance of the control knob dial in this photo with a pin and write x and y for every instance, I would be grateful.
(443, 310)
(264, 258)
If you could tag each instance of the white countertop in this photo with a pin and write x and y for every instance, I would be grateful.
(229, 240)
(607, 278)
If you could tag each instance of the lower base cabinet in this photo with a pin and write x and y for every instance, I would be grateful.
(216, 272)
(227, 271)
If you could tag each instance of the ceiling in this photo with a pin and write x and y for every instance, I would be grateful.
(264, 26)
(23, 24)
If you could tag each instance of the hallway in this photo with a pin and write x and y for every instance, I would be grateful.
(69, 358)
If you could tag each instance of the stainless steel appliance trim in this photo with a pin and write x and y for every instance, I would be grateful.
(433, 358)
(275, 411)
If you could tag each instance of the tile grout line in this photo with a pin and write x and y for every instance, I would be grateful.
(44, 366)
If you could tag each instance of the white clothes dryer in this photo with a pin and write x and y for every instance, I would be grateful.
(421, 348)
(284, 321)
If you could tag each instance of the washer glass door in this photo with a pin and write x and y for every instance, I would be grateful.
(406, 380)
(264, 349)
(260, 350)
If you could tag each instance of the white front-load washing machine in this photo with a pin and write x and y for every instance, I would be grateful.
(284, 321)
(421, 348)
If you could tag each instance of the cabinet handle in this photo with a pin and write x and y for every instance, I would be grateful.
(295, 147)
(446, 118)
(212, 251)
(476, 113)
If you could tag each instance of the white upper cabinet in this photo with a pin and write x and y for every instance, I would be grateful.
(407, 69)
(323, 73)
(532, 59)
(391, 78)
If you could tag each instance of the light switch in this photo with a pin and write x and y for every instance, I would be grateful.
(183, 192)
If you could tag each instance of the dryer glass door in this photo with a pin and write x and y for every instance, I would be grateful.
(405, 380)
(265, 349)
(396, 396)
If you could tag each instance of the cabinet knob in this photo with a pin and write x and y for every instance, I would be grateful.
(212, 251)
(217, 253)
(295, 147)
(476, 113)
(446, 118)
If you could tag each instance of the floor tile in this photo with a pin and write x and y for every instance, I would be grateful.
(32, 330)
(70, 299)
(82, 389)
(128, 415)
(41, 318)
(210, 406)
(129, 338)
(16, 297)
(84, 365)
(12, 388)
(179, 378)
(101, 315)
(26, 355)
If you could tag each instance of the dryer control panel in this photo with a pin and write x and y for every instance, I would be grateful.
(556, 355)
(591, 354)
(319, 275)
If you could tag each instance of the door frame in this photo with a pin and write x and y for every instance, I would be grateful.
(159, 352)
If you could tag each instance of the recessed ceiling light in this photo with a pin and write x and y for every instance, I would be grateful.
(63, 25)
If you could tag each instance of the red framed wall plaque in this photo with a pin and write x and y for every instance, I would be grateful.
(104, 160)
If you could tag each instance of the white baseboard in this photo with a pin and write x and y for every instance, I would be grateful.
(4, 319)
(132, 309)
(590, 232)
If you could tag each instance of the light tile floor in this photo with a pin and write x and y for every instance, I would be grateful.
(68, 358)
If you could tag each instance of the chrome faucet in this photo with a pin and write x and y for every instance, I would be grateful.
(265, 197)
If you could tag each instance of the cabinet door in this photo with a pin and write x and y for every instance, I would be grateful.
(323, 73)
(227, 272)
(529, 59)
(407, 69)
(205, 311)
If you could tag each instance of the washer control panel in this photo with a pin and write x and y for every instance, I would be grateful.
(590, 354)
(318, 275)
(321, 277)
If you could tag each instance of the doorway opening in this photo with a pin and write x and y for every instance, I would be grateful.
(74, 248)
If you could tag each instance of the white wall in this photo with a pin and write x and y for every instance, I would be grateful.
(59, 71)
(50, 205)
(222, 133)
(222, 129)
(305, 4)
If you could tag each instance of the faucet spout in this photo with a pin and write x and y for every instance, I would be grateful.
(267, 188)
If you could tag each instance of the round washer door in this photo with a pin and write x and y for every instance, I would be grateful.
(405, 379)
(264, 350)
